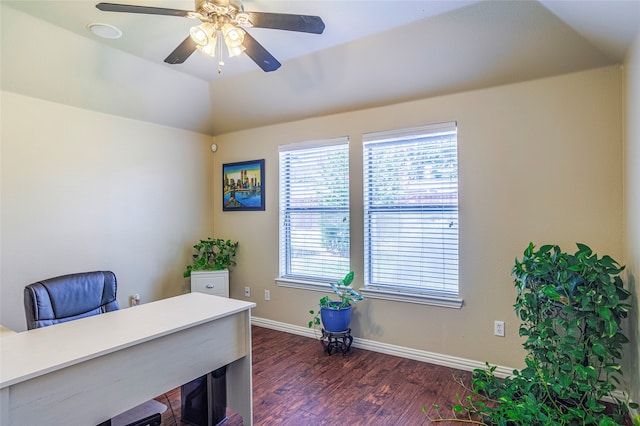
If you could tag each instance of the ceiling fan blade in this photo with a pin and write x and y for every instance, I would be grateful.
(182, 52)
(113, 7)
(259, 54)
(284, 21)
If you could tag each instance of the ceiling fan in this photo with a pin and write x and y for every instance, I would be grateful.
(226, 20)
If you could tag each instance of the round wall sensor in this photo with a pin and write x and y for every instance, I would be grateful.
(214, 147)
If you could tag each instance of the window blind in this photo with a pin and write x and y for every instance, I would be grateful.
(411, 210)
(314, 210)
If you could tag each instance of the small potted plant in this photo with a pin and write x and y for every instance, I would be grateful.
(336, 314)
(212, 255)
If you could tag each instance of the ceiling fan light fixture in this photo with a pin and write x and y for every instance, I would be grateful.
(235, 51)
(207, 49)
(203, 34)
(234, 39)
(233, 36)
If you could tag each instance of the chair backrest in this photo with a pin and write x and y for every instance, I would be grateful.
(69, 297)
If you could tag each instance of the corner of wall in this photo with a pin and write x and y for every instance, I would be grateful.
(631, 199)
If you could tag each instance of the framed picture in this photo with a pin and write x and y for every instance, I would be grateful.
(243, 186)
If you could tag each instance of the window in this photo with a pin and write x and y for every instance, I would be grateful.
(314, 211)
(411, 214)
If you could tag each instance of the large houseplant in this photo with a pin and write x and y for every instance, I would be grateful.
(336, 314)
(212, 255)
(571, 307)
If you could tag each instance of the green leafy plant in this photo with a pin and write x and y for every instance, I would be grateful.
(347, 296)
(571, 307)
(212, 255)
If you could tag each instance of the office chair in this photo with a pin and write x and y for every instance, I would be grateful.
(75, 296)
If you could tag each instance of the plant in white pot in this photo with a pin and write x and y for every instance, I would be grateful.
(335, 315)
(212, 255)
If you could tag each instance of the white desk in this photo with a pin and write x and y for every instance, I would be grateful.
(5, 331)
(86, 371)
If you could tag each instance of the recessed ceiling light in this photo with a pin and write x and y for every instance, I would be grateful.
(105, 30)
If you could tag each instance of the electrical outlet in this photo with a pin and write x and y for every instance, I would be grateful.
(267, 295)
(134, 300)
(498, 328)
(247, 292)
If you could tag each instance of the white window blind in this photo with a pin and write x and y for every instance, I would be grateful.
(314, 210)
(411, 210)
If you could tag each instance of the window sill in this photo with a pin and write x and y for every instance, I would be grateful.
(422, 299)
(304, 284)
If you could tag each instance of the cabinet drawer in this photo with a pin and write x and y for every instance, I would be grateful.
(210, 287)
(216, 283)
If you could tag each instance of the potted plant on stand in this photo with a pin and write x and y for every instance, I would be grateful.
(335, 315)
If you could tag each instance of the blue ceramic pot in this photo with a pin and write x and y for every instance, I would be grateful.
(335, 320)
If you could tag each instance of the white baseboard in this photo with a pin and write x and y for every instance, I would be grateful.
(385, 348)
(404, 352)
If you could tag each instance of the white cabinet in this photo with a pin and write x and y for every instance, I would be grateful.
(211, 282)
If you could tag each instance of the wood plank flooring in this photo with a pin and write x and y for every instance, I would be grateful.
(295, 383)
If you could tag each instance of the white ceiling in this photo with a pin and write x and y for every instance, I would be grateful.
(371, 53)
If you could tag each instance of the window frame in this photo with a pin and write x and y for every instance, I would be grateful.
(285, 278)
(410, 294)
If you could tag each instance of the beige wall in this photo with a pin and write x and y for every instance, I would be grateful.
(632, 208)
(84, 191)
(539, 161)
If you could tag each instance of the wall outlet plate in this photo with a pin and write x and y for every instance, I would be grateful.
(134, 300)
(498, 328)
(247, 292)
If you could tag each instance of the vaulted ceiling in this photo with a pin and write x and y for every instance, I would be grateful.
(371, 53)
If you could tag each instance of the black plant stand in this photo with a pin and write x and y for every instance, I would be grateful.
(336, 340)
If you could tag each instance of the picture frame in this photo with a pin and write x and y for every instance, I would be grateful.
(243, 186)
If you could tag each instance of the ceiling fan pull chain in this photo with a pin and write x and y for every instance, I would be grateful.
(219, 48)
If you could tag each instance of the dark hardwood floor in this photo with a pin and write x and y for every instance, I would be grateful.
(296, 383)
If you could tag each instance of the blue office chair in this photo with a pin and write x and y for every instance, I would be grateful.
(75, 296)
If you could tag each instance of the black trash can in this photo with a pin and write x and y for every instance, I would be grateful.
(204, 400)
